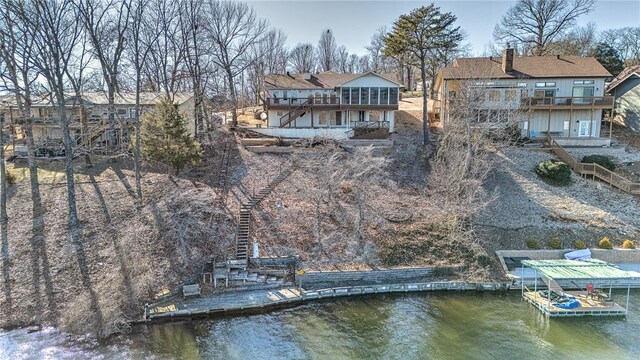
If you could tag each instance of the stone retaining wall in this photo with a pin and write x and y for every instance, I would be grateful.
(317, 279)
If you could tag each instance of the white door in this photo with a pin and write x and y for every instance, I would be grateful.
(583, 129)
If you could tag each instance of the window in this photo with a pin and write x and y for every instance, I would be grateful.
(492, 95)
(345, 95)
(355, 96)
(323, 118)
(583, 82)
(338, 118)
(364, 96)
(284, 94)
(374, 96)
(544, 93)
(393, 96)
(361, 116)
(132, 113)
(384, 96)
(522, 85)
(524, 93)
(121, 112)
(318, 97)
(583, 94)
(545, 84)
(452, 94)
(510, 94)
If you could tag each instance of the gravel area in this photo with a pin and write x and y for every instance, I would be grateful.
(618, 154)
(524, 206)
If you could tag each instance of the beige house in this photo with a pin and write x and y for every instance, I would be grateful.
(558, 96)
(89, 119)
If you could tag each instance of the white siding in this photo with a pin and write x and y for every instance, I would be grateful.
(370, 80)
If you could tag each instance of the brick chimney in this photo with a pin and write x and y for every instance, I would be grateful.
(507, 59)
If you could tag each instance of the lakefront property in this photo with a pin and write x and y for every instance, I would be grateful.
(330, 105)
(558, 96)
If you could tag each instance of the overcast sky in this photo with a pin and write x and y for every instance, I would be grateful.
(355, 21)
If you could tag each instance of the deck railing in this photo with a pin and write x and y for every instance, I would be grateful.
(568, 101)
(594, 170)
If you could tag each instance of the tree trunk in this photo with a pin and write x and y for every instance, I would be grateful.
(4, 220)
(112, 118)
(234, 97)
(136, 152)
(425, 117)
(68, 160)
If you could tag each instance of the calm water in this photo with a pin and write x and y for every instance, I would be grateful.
(417, 326)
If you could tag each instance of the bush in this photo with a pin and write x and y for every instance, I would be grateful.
(533, 244)
(579, 244)
(554, 171)
(11, 178)
(628, 244)
(601, 160)
(555, 243)
(604, 243)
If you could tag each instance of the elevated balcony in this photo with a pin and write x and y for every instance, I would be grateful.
(323, 103)
(567, 103)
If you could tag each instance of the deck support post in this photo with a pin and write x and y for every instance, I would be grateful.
(548, 298)
(522, 282)
(626, 308)
(535, 286)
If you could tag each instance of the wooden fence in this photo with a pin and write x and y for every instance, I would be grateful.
(594, 170)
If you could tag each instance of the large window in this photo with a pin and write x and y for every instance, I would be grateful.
(511, 94)
(492, 95)
(355, 96)
(364, 96)
(393, 96)
(544, 93)
(582, 94)
(345, 95)
(374, 96)
(384, 96)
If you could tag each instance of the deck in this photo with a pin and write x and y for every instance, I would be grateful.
(588, 307)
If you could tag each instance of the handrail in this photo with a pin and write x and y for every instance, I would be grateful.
(594, 170)
(568, 101)
(293, 114)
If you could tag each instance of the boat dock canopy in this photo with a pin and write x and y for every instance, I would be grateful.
(577, 269)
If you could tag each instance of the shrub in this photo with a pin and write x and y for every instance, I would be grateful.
(579, 244)
(628, 244)
(533, 244)
(554, 171)
(555, 243)
(601, 160)
(11, 178)
(604, 243)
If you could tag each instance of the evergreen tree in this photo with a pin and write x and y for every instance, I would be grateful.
(609, 58)
(420, 34)
(165, 138)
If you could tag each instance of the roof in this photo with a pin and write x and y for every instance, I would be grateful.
(624, 75)
(577, 269)
(325, 80)
(101, 98)
(525, 67)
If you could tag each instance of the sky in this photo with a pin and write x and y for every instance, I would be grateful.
(354, 22)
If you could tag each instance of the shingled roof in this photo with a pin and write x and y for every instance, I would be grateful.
(525, 67)
(624, 75)
(325, 80)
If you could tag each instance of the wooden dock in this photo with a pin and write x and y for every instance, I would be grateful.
(588, 306)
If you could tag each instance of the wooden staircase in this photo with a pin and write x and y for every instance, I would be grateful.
(244, 220)
(594, 170)
(298, 111)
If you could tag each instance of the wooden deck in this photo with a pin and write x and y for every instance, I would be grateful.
(588, 307)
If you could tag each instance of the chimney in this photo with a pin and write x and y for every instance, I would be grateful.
(507, 59)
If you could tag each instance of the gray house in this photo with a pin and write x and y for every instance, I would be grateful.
(625, 88)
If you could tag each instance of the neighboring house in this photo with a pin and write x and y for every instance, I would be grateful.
(330, 105)
(625, 88)
(560, 96)
(89, 119)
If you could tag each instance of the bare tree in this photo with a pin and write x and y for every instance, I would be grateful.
(327, 50)
(342, 59)
(539, 23)
(353, 63)
(233, 28)
(626, 41)
(380, 63)
(302, 59)
(106, 26)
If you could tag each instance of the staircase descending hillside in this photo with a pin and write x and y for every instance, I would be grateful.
(244, 222)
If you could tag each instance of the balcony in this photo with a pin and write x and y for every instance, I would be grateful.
(567, 103)
(326, 103)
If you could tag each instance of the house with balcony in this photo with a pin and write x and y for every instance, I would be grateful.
(558, 96)
(330, 105)
(625, 88)
(88, 120)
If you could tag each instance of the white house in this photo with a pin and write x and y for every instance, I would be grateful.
(330, 105)
(559, 96)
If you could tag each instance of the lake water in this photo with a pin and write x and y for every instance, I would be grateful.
(416, 326)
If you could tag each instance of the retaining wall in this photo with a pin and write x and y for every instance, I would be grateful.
(316, 279)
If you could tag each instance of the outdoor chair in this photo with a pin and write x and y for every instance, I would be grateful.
(592, 292)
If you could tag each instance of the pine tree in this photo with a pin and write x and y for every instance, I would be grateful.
(609, 58)
(165, 138)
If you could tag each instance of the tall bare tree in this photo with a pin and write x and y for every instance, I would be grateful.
(301, 59)
(106, 26)
(327, 50)
(538, 23)
(233, 28)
